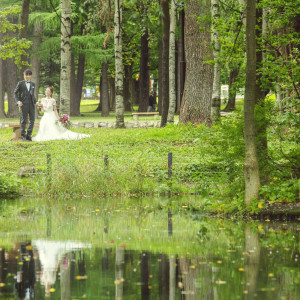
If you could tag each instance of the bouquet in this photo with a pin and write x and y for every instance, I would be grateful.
(64, 121)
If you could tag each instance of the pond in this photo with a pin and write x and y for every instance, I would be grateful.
(104, 249)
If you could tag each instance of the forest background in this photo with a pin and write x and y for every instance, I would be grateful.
(189, 48)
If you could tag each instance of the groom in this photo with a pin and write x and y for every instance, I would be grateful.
(24, 96)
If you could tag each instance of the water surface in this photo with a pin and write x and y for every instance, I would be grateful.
(96, 250)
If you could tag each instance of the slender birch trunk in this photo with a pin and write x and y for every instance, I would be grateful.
(165, 62)
(251, 169)
(65, 73)
(172, 65)
(119, 65)
(216, 93)
(2, 83)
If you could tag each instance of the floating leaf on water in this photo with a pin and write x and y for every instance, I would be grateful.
(180, 285)
(260, 205)
(267, 220)
(241, 269)
(245, 292)
(192, 267)
(2, 284)
(271, 274)
(219, 261)
(149, 287)
(28, 247)
(52, 290)
(221, 282)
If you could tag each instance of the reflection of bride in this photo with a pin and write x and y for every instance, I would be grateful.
(51, 254)
(49, 129)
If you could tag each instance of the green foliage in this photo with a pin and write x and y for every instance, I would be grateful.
(11, 46)
(9, 185)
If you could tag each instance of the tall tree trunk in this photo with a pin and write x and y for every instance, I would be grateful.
(79, 83)
(72, 86)
(172, 65)
(112, 93)
(165, 62)
(11, 83)
(23, 31)
(119, 65)
(196, 102)
(65, 73)
(181, 61)
(144, 78)
(11, 80)
(251, 170)
(216, 94)
(35, 61)
(104, 90)
(2, 83)
(160, 77)
(233, 76)
(260, 114)
(127, 87)
(135, 91)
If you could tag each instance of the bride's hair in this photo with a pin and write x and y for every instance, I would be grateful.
(51, 89)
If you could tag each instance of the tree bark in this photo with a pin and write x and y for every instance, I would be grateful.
(160, 76)
(233, 76)
(165, 62)
(216, 94)
(260, 114)
(112, 93)
(127, 87)
(144, 77)
(251, 169)
(119, 65)
(35, 61)
(104, 90)
(172, 65)
(11, 81)
(196, 102)
(65, 74)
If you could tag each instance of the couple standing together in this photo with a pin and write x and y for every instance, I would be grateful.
(48, 129)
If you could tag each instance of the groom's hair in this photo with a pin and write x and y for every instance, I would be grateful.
(28, 72)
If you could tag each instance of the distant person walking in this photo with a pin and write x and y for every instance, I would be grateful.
(152, 102)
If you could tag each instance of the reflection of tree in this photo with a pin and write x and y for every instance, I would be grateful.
(172, 283)
(251, 261)
(65, 279)
(188, 279)
(25, 279)
(164, 277)
(145, 275)
(119, 272)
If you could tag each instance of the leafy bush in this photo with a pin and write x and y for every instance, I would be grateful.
(9, 185)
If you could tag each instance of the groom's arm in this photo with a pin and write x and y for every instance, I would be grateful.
(17, 93)
(33, 92)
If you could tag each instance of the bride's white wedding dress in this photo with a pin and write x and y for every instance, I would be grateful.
(49, 129)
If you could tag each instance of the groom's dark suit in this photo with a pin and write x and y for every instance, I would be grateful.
(26, 96)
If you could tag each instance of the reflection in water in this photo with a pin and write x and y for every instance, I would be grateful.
(54, 256)
(176, 257)
(251, 262)
(25, 279)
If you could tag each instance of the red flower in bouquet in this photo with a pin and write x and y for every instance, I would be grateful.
(65, 121)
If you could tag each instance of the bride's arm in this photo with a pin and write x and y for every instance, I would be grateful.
(55, 111)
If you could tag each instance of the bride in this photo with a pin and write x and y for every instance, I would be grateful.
(49, 128)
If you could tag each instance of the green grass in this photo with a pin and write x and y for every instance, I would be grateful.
(206, 161)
